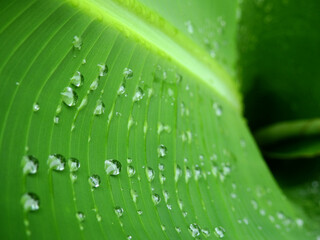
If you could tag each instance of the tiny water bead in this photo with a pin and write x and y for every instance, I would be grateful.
(130, 171)
(118, 211)
(122, 89)
(94, 85)
(103, 69)
(163, 128)
(156, 199)
(149, 174)
(94, 181)
(205, 232)
(30, 164)
(189, 26)
(127, 73)
(69, 97)
(30, 202)
(134, 195)
(219, 232)
(112, 167)
(73, 164)
(162, 151)
(77, 42)
(218, 109)
(177, 173)
(80, 216)
(77, 79)
(84, 61)
(161, 167)
(56, 162)
(139, 94)
(56, 119)
(194, 229)
(99, 109)
(36, 107)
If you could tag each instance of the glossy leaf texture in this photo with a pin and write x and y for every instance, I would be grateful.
(122, 120)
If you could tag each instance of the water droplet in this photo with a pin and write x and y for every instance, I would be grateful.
(166, 195)
(98, 217)
(127, 73)
(156, 199)
(129, 160)
(163, 228)
(112, 167)
(205, 232)
(94, 181)
(178, 229)
(180, 203)
(122, 89)
(36, 107)
(131, 122)
(177, 173)
(161, 167)
(138, 95)
(162, 150)
(218, 109)
(77, 79)
(69, 97)
(74, 164)
(30, 202)
(99, 109)
(77, 42)
(149, 174)
(80, 216)
(73, 177)
(118, 211)
(140, 212)
(94, 85)
(299, 222)
(197, 172)
(162, 178)
(131, 171)
(194, 229)
(56, 162)
(129, 237)
(189, 26)
(30, 165)
(219, 232)
(103, 69)
(134, 195)
(56, 119)
(84, 61)
(188, 174)
(162, 128)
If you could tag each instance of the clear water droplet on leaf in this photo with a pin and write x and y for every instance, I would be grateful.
(69, 97)
(77, 79)
(30, 165)
(162, 151)
(56, 162)
(77, 42)
(36, 107)
(30, 202)
(112, 167)
(94, 181)
(99, 109)
(73, 164)
(118, 211)
(127, 73)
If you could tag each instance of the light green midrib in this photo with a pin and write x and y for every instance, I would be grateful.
(140, 23)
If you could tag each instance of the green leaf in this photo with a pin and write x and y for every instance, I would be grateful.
(122, 119)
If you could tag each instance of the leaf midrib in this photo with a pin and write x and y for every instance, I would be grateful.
(144, 25)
